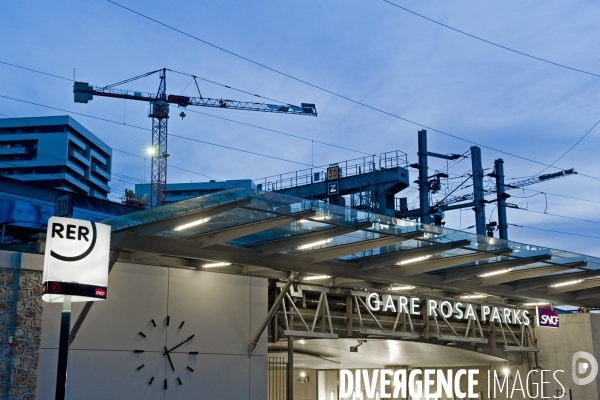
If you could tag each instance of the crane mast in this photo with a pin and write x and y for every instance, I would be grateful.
(159, 112)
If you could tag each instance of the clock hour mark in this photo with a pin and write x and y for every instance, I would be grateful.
(153, 323)
(151, 380)
(168, 320)
(190, 368)
(182, 322)
(193, 352)
(179, 380)
(138, 351)
(165, 384)
(142, 333)
(140, 367)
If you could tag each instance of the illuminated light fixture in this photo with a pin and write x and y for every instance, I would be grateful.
(314, 244)
(502, 271)
(566, 283)
(535, 304)
(150, 151)
(185, 226)
(505, 371)
(316, 277)
(313, 219)
(402, 287)
(475, 296)
(413, 260)
(215, 265)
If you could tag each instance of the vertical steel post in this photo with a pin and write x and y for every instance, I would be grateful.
(478, 190)
(502, 221)
(290, 369)
(423, 181)
(63, 349)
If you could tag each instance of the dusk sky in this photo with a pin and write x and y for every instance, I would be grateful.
(515, 107)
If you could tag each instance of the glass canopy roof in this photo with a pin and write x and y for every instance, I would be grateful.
(370, 246)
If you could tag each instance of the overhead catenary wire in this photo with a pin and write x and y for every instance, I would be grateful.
(490, 42)
(334, 93)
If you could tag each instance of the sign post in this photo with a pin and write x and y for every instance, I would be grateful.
(75, 269)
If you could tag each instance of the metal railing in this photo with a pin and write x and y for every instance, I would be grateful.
(353, 167)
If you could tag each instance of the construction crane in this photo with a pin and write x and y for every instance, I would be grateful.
(159, 112)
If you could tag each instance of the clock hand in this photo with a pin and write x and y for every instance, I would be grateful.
(185, 341)
(169, 357)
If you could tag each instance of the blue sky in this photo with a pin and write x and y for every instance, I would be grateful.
(371, 52)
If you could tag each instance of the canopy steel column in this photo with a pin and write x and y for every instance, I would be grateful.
(501, 196)
(274, 307)
(478, 190)
(290, 369)
(423, 179)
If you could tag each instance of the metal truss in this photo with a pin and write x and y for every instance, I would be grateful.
(322, 312)
(394, 333)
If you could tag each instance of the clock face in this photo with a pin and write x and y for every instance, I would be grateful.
(183, 346)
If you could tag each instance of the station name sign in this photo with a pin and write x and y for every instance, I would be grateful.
(447, 309)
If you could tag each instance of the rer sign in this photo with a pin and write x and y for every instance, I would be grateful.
(547, 317)
(76, 260)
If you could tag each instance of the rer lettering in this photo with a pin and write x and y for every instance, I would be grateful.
(58, 229)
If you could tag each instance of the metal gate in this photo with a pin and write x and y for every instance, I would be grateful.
(276, 378)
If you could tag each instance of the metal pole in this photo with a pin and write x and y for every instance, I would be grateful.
(423, 181)
(290, 369)
(114, 256)
(478, 190)
(63, 349)
(274, 307)
(502, 221)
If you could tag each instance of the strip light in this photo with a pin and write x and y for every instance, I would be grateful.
(402, 287)
(314, 244)
(185, 226)
(413, 260)
(215, 265)
(502, 271)
(566, 283)
(316, 277)
(535, 304)
(475, 296)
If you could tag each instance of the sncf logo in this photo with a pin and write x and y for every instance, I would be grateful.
(549, 319)
(81, 240)
(100, 292)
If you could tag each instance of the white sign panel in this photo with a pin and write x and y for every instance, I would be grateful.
(76, 260)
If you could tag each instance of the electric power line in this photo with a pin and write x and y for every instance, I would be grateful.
(35, 70)
(571, 148)
(490, 42)
(561, 216)
(551, 230)
(214, 116)
(345, 97)
(146, 129)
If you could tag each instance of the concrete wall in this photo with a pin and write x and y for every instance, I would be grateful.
(21, 318)
(222, 311)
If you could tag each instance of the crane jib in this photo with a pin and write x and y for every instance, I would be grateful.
(84, 93)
